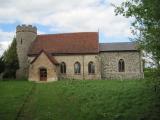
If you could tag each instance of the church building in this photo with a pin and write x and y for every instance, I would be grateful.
(52, 57)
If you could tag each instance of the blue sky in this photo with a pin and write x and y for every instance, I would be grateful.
(53, 16)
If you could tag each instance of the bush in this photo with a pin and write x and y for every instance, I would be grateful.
(9, 74)
(153, 78)
(150, 72)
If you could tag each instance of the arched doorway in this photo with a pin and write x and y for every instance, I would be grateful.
(43, 74)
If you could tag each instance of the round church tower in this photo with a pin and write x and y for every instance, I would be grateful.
(25, 35)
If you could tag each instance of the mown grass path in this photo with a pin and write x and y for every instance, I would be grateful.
(26, 100)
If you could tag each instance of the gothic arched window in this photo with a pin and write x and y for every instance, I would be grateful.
(121, 65)
(77, 68)
(63, 68)
(91, 68)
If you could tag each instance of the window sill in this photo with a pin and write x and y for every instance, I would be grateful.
(63, 73)
(91, 74)
(77, 73)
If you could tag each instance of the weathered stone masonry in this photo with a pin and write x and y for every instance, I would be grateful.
(105, 57)
(25, 35)
(133, 65)
(83, 60)
(43, 62)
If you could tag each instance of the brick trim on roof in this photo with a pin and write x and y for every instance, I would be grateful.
(51, 58)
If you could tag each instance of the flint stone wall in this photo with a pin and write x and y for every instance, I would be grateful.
(133, 65)
(25, 35)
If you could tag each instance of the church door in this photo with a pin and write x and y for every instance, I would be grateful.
(43, 74)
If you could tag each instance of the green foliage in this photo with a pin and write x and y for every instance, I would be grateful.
(11, 60)
(146, 26)
(150, 75)
(80, 100)
(2, 65)
(149, 72)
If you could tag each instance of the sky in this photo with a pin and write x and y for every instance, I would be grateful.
(63, 16)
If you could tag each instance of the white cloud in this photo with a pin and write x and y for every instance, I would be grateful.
(5, 39)
(89, 19)
(69, 15)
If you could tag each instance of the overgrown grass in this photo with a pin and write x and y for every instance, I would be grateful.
(81, 100)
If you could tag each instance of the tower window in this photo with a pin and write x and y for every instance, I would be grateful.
(21, 41)
(121, 65)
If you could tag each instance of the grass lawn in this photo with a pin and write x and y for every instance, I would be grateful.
(12, 96)
(79, 100)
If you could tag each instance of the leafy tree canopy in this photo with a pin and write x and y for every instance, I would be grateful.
(146, 25)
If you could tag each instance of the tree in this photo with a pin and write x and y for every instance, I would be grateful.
(146, 25)
(2, 65)
(11, 60)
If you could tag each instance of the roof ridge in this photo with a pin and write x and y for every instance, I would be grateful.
(65, 33)
(118, 46)
(116, 42)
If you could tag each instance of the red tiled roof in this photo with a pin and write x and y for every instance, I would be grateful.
(51, 58)
(82, 43)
